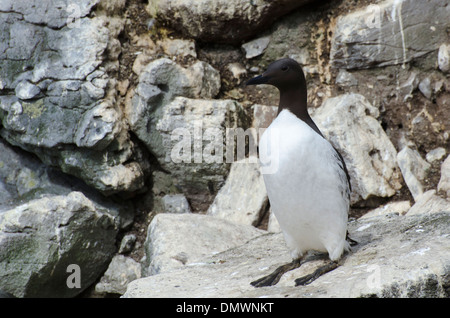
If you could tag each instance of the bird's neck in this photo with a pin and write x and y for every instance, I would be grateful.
(295, 100)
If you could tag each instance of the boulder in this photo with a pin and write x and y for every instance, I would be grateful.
(429, 203)
(388, 247)
(444, 182)
(175, 203)
(220, 21)
(189, 140)
(121, 271)
(41, 241)
(413, 169)
(243, 198)
(181, 240)
(349, 122)
(58, 100)
(390, 32)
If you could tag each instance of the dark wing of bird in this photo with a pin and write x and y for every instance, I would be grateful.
(342, 165)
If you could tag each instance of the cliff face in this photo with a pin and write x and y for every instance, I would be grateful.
(115, 111)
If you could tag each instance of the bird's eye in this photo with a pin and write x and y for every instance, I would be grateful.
(284, 68)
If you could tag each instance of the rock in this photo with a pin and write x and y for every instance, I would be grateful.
(60, 63)
(387, 248)
(348, 122)
(237, 71)
(435, 154)
(26, 90)
(346, 79)
(23, 178)
(255, 47)
(398, 207)
(159, 83)
(429, 203)
(263, 115)
(413, 169)
(127, 243)
(41, 238)
(176, 203)
(388, 33)
(444, 58)
(425, 87)
(407, 88)
(181, 240)
(273, 226)
(444, 182)
(121, 271)
(179, 47)
(220, 21)
(188, 139)
(243, 199)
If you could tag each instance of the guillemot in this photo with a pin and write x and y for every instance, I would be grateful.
(309, 189)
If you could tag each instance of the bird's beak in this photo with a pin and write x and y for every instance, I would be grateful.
(261, 79)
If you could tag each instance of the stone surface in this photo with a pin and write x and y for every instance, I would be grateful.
(121, 271)
(349, 123)
(180, 240)
(444, 58)
(388, 248)
(127, 243)
(388, 33)
(397, 207)
(58, 61)
(413, 169)
(429, 203)
(159, 83)
(435, 154)
(444, 182)
(176, 203)
(220, 21)
(41, 238)
(243, 198)
(255, 47)
(189, 140)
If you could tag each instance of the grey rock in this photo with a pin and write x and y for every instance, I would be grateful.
(389, 33)
(349, 123)
(179, 47)
(121, 271)
(23, 178)
(176, 203)
(388, 247)
(435, 154)
(413, 169)
(179, 240)
(397, 207)
(444, 182)
(243, 199)
(58, 60)
(346, 79)
(429, 203)
(26, 90)
(159, 83)
(425, 87)
(220, 21)
(188, 139)
(127, 243)
(41, 238)
(255, 47)
(444, 58)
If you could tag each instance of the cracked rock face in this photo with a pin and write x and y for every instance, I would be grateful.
(221, 21)
(389, 33)
(56, 96)
(41, 238)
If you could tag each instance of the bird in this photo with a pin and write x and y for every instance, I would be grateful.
(306, 178)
